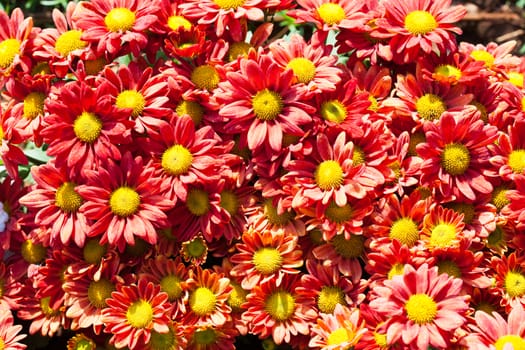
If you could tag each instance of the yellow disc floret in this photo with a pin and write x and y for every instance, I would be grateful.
(131, 99)
(421, 308)
(329, 175)
(430, 106)
(229, 4)
(280, 305)
(124, 201)
(515, 284)
(202, 301)
(267, 104)
(331, 13)
(69, 41)
(303, 68)
(67, 199)
(119, 19)
(176, 160)
(205, 77)
(455, 159)
(140, 314)
(34, 105)
(9, 48)
(420, 22)
(87, 127)
(333, 111)
(405, 230)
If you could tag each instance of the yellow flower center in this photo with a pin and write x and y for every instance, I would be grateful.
(69, 41)
(448, 71)
(267, 260)
(270, 211)
(517, 160)
(207, 336)
(420, 22)
(358, 156)
(374, 105)
(198, 202)
(482, 55)
(499, 197)
(191, 108)
(328, 175)
(333, 111)
(449, 267)
(515, 284)
(93, 251)
(124, 201)
(466, 209)
(455, 159)
(176, 160)
(87, 127)
(517, 342)
(238, 49)
(337, 214)
(396, 270)
(280, 305)
(67, 199)
(196, 248)
(442, 235)
(267, 104)
(237, 297)
(516, 78)
(9, 48)
(33, 253)
(78, 342)
(140, 314)
(205, 77)
(415, 139)
(99, 291)
(175, 22)
(421, 308)
(119, 19)
(34, 105)
(380, 340)
(230, 202)
(202, 301)
(430, 106)
(405, 230)
(329, 297)
(46, 308)
(170, 284)
(331, 13)
(163, 341)
(349, 248)
(131, 99)
(303, 68)
(229, 4)
(341, 335)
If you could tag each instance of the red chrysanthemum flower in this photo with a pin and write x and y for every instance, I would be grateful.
(509, 275)
(115, 25)
(421, 307)
(275, 309)
(508, 153)
(81, 135)
(341, 329)
(260, 103)
(456, 157)
(126, 201)
(418, 27)
(453, 68)
(265, 215)
(263, 255)
(10, 335)
(497, 58)
(327, 15)
(134, 312)
(479, 216)
(442, 228)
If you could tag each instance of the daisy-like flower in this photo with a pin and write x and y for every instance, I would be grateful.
(492, 331)
(479, 217)
(134, 312)
(508, 153)
(174, 339)
(326, 15)
(509, 276)
(419, 27)
(207, 296)
(115, 25)
(126, 201)
(263, 255)
(442, 228)
(80, 135)
(497, 58)
(311, 63)
(208, 337)
(57, 204)
(453, 68)
(261, 104)
(341, 329)
(265, 215)
(421, 307)
(456, 157)
(10, 335)
(275, 309)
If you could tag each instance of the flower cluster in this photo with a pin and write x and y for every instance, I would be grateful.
(310, 174)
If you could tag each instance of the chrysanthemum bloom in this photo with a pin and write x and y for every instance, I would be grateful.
(419, 27)
(15, 42)
(116, 25)
(61, 45)
(81, 135)
(508, 153)
(134, 312)
(224, 15)
(57, 204)
(174, 339)
(143, 94)
(275, 309)
(343, 252)
(421, 307)
(509, 274)
(208, 337)
(326, 15)
(194, 251)
(265, 215)
(375, 80)
(479, 217)
(125, 201)
(492, 331)
(442, 228)
(497, 58)
(10, 335)
(456, 157)
(81, 341)
(261, 104)
(452, 68)
(263, 255)
(207, 296)
(339, 330)
(170, 18)
(312, 62)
